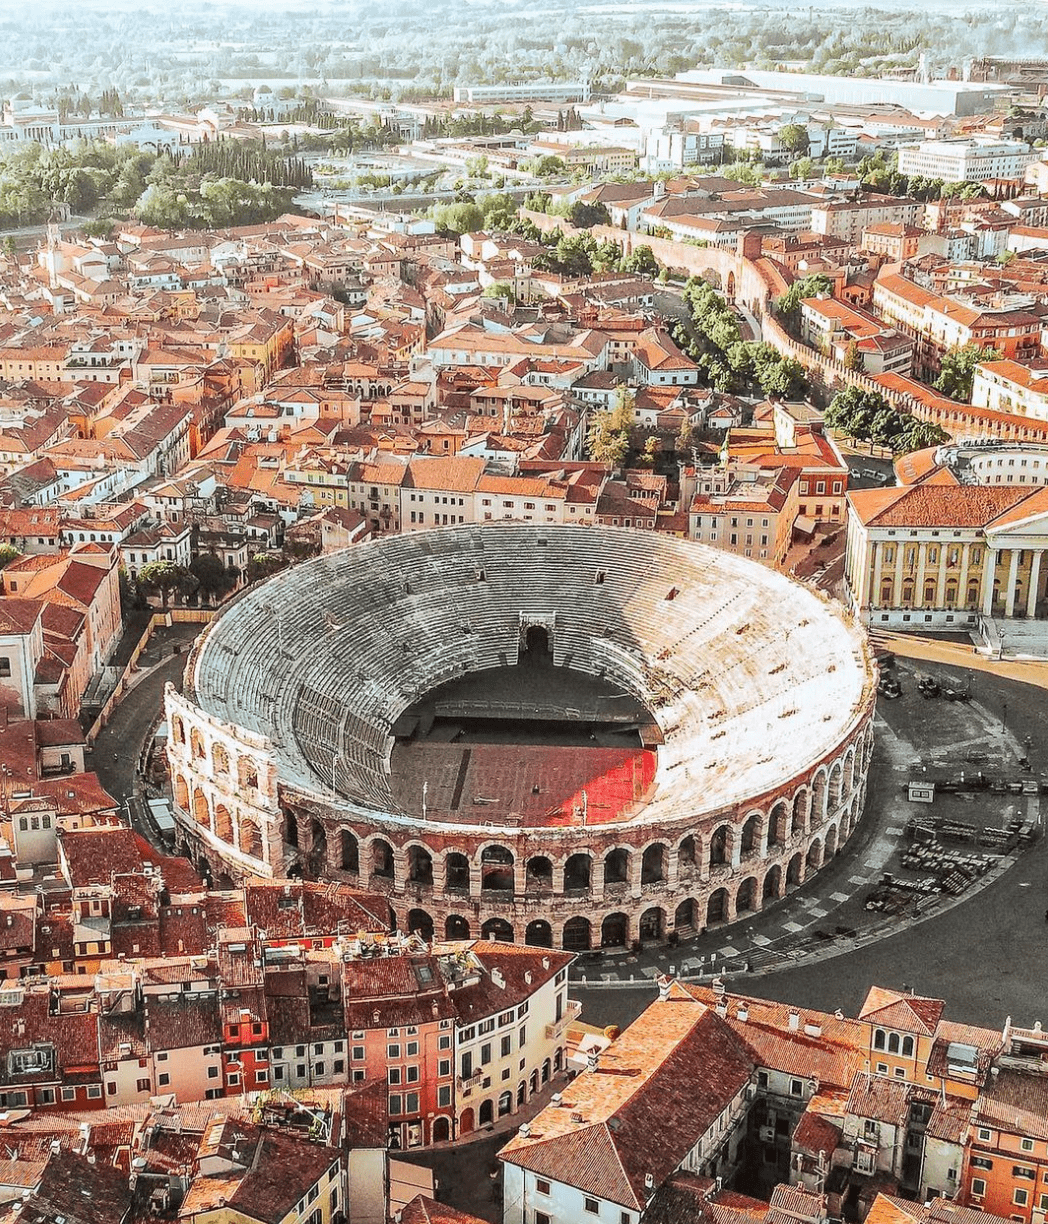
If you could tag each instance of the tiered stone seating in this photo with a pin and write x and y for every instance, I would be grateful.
(750, 676)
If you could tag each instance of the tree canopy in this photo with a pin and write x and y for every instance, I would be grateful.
(957, 371)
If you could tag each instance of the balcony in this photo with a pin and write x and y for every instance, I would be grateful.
(571, 1014)
(470, 1082)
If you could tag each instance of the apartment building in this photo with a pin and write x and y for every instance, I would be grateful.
(966, 159)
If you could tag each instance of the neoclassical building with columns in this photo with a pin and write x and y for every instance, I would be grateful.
(959, 544)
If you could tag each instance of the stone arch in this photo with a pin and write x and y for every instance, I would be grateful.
(818, 798)
(381, 859)
(486, 1114)
(348, 852)
(178, 730)
(617, 866)
(204, 870)
(419, 922)
(614, 931)
(729, 287)
(456, 927)
(466, 1122)
(247, 774)
(201, 811)
(420, 864)
(778, 823)
(799, 817)
(721, 846)
(317, 848)
(224, 883)
(717, 908)
(750, 836)
(577, 871)
(219, 759)
(440, 1132)
(831, 843)
(577, 934)
(795, 871)
(814, 858)
(689, 854)
(653, 863)
(505, 1103)
(746, 896)
(834, 787)
(771, 889)
(197, 747)
(652, 925)
(224, 824)
(496, 868)
(539, 934)
(685, 918)
(251, 838)
(522, 1093)
(456, 872)
(538, 873)
(849, 772)
(290, 828)
(497, 928)
(181, 794)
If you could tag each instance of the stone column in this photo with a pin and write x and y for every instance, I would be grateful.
(962, 585)
(1013, 573)
(989, 573)
(1035, 582)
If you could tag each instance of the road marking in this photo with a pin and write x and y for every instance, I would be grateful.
(841, 896)
(894, 831)
(792, 927)
(819, 913)
(857, 879)
(761, 941)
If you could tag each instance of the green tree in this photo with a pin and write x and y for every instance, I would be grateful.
(794, 137)
(499, 289)
(214, 580)
(957, 371)
(164, 577)
(8, 553)
(263, 565)
(585, 216)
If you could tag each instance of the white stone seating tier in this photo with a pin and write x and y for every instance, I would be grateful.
(752, 678)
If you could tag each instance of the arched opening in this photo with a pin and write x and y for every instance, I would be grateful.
(291, 828)
(794, 872)
(317, 849)
(251, 839)
(247, 774)
(456, 927)
(617, 866)
(772, 889)
(381, 859)
(420, 923)
(224, 883)
(420, 865)
(538, 874)
(497, 928)
(537, 644)
(196, 745)
(201, 813)
(456, 873)
(652, 926)
(777, 823)
(466, 1122)
(814, 859)
(750, 838)
(717, 907)
(539, 934)
(496, 869)
(831, 843)
(181, 794)
(613, 931)
(653, 864)
(729, 287)
(818, 799)
(224, 824)
(441, 1132)
(576, 935)
(746, 897)
(533, 1082)
(348, 852)
(220, 760)
(835, 786)
(204, 870)
(687, 855)
(720, 846)
(577, 873)
(545, 1071)
(505, 1103)
(800, 809)
(522, 1092)
(684, 917)
(178, 730)
(486, 1115)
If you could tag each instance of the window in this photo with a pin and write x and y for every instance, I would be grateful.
(796, 1087)
(1021, 1198)
(981, 1162)
(68, 1094)
(591, 1205)
(1027, 1145)
(984, 1135)
(541, 1218)
(212, 1073)
(444, 1096)
(141, 1085)
(444, 1041)
(411, 1103)
(485, 1053)
(507, 1045)
(358, 1054)
(978, 1187)
(1025, 1173)
(394, 1104)
(412, 1075)
(394, 1075)
(412, 1049)
(94, 1091)
(393, 1051)
(5, 665)
(542, 1186)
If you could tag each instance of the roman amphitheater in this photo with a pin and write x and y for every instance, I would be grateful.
(574, 737)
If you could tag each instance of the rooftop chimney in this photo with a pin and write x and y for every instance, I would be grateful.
(795, 1021)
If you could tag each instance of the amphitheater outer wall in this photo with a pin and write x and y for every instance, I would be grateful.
(608, 885)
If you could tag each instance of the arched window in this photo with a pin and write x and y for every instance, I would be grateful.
(879, 1039)
(893, 1043)
(907, 1047)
